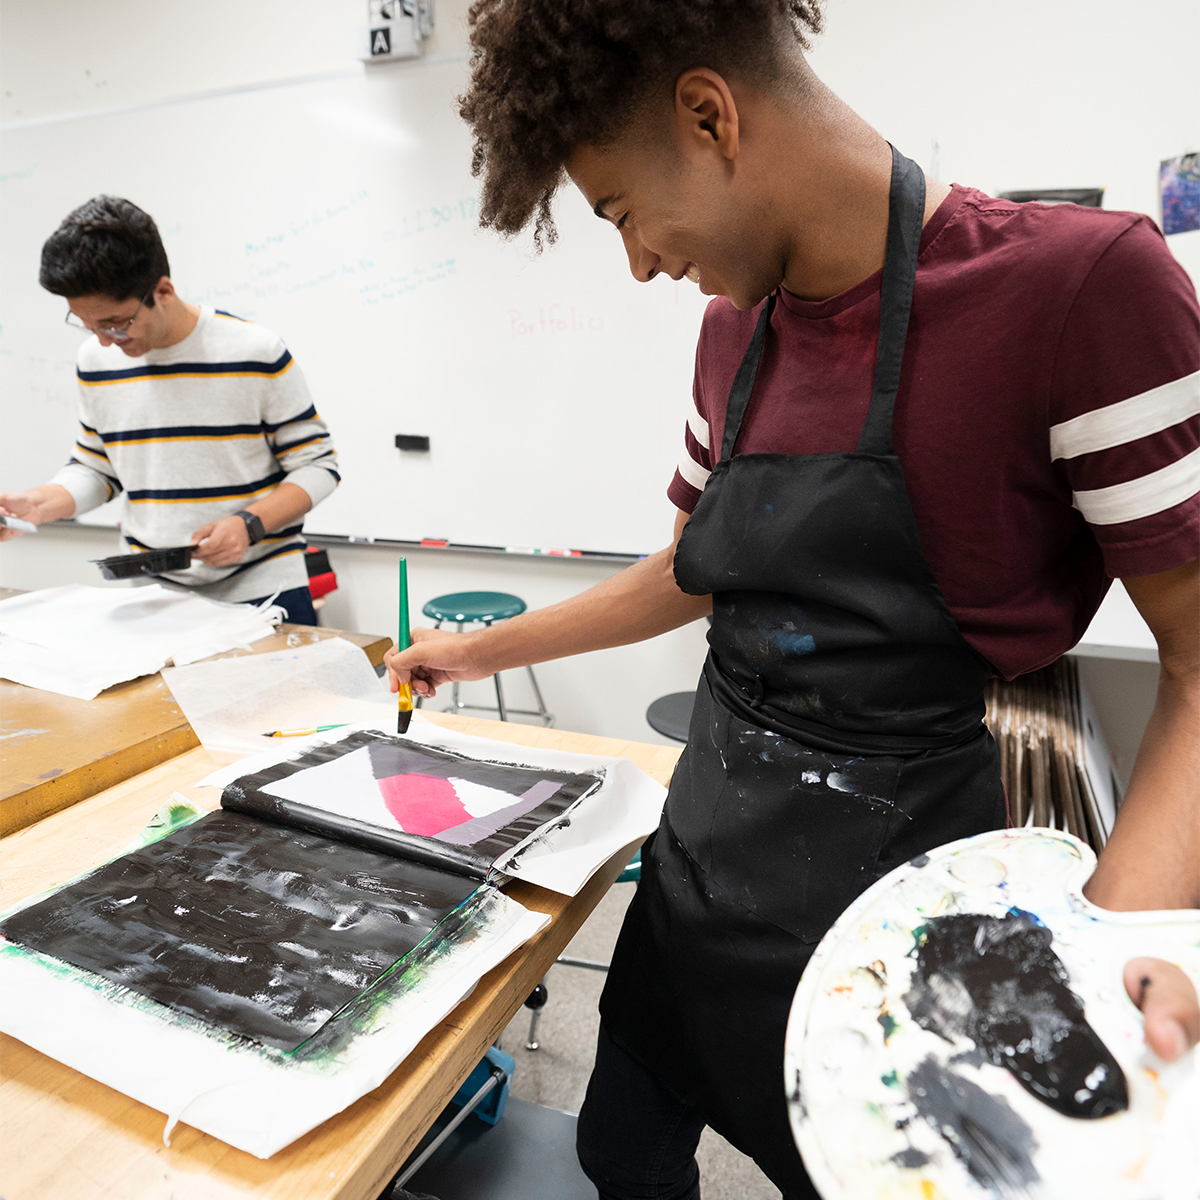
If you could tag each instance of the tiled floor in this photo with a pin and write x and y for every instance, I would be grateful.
(556, 1075)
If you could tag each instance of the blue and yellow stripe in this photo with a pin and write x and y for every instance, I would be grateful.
(193, 495)
(187, 371)
(183, 433)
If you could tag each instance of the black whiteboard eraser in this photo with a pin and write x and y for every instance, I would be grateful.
(411, 441)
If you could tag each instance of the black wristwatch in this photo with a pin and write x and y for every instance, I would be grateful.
(254, 526)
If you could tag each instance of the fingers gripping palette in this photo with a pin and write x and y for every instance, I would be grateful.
(963, 1032)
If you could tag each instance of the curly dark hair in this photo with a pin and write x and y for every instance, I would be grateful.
(108, 247)
(545, 72)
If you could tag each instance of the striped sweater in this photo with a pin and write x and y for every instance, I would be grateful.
(197, 431)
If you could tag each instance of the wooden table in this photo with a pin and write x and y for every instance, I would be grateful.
(57, 750)
(68, 1136)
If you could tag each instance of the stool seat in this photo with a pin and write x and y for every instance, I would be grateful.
(484, 608)
(671, 715)
(462, 607)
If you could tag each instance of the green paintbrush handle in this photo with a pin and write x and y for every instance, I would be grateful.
(405, 635)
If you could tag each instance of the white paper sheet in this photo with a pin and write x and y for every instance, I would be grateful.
(78, 640)
(253, 1100)
(563, 855)
(232, 702)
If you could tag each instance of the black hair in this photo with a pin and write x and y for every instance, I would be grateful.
(108, 247)
(550, 75)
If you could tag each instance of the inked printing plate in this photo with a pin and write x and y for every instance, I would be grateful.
(963, 1032)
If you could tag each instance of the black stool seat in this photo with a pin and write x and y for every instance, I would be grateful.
(671, 715)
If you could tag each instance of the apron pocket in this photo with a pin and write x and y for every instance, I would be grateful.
(791, 834)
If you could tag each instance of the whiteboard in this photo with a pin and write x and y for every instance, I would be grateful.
(342, 214)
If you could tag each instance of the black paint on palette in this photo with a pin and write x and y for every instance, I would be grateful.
(399, 756)
(984, 1133)
(263, 930)
(997, 981)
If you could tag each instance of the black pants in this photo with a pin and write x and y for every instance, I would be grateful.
(296, 602)
(635, 1140)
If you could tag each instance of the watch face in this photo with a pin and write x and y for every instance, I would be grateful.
(254, 526)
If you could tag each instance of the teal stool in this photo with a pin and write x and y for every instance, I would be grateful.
(483, 608)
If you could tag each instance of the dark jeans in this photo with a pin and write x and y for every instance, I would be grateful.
(296, 602)
(635, 1140)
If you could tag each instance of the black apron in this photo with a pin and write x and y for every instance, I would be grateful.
(838, 731)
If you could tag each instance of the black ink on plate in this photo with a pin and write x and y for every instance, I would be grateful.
(997, 981)
(984, 1133)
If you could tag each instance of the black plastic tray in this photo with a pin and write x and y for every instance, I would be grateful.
(145, 562)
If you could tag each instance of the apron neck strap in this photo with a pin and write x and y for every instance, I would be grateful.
(743, 381)
(906, 216)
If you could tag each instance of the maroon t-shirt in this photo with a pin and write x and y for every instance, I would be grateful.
(1046, 420)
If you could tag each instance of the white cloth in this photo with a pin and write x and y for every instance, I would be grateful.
(78, 640)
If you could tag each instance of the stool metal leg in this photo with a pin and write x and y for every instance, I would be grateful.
(500, 697)
(547, 718)
(535, 1017)
(535, 1004)
(455, 703)
(502, 708)
(500, 705)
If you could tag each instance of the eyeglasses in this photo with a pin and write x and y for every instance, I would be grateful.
(118, 333)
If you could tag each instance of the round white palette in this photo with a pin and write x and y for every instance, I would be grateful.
(890, 1060)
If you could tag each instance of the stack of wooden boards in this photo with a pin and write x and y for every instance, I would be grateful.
(1055, 767)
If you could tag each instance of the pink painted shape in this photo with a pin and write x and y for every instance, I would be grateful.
(422, 804)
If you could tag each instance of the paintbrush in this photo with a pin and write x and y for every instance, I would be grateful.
(303, 732)
(404, 697)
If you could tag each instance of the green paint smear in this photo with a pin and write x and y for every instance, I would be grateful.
(173, 815)
(323, 1050)
(889, 1024)
(463, 925)
(891, 1079)
(455, 930)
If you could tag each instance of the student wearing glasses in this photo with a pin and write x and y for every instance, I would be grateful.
(203, 420)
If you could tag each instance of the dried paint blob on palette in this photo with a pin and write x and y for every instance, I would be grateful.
(473, 810)
(262, 930)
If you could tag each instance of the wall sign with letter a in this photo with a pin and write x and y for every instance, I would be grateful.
(381, 41)
(387, 38)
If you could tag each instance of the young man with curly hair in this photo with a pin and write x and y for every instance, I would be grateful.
(930, 427)
(203, 420)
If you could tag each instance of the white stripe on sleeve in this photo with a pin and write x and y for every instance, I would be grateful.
(1127, 420)
(1143, 497)
(692, 471)
(699, 427)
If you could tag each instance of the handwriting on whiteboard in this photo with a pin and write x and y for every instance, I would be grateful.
(553, 320)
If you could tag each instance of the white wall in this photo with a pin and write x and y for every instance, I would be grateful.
(60, 56)
(1034, 93)
(1026, 94)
